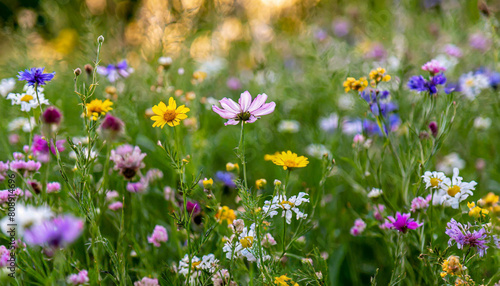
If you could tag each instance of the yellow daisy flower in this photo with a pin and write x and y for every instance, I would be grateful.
(288, 160)
(171, 114)
(98, 107)
(283, 280)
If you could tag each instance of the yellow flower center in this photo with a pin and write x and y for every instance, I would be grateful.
(26, 98)
(283, 203)
(435, 182)
(194, 264)
(169, 115)
(246, 242)
(469, 82)
(452, 191)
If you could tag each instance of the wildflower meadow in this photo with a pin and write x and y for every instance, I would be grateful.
(249, 142)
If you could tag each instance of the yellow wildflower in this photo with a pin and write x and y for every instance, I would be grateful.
(378, 75)
(208, 183)
(476, 211)
(260, 184)
(452, 266)
(288, 160)
(171, 114)
(225, 213)
(283, 280)
(355, 84)
(98, 107)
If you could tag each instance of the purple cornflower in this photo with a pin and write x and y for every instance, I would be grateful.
(111, 127)
(128, 160)
(462, 235)
(79, 279)
(35, 76)
(114, 72)
(418, 83)
(53, 187)
(193, 207)
(226, 178)
(358, 228)
(56, 232)
(52, 115)
(403, 222)
(137, 187)
(233, 83)
(159, 235)
(420, 203)
(245, 110)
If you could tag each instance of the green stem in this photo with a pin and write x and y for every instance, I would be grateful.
(241, 149)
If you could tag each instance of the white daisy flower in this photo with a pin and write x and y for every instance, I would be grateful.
(288, 207)
(6, 86)
(209, 263)
(433, 179)
(27, 125)
(472, 84)
(244, 245)
(482, 123)
(184, 265)
(456, 190)
(289, 126)
(28, 98)
(437, 198)
(375, 193)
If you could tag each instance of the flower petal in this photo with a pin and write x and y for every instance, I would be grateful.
(245, 101)
(258, 102)
(267, 108)
(230, 105)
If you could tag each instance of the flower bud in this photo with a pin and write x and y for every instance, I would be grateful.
(434, 128)
(231, 167)
(100, 39)
(88, 69)
(77, 71)
(260, 184)
(277, 183)
(111, 127)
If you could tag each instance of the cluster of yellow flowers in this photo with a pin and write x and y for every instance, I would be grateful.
(225, 214)
(378, 75)
(283, 280)
(485, 206)
(355, 84)
(452, 266)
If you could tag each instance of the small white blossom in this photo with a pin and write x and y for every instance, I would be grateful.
(28, 99)
(433, 179)
(472, 84)
(288, 207)
(317, 151)
(27, 125)
(289, 126)
(449, 162)
(6, 86)
(482, 123)
(375, 193)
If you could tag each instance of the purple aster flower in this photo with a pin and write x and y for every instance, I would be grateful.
(418, 83)
(479, 42)
(245, 110)
(403, 222)
(226, 178)
(114, 72)
(320, 35)
(128, 160)
(35, 76)
(462, 236)
(57, 232)
(341, 28)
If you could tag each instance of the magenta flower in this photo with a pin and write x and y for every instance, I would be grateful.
(4, 256)
(4, 167)
(52, 115)
(41, 149)
(115, 206)
(146, 281)
(53, 187)
(245, 110)
(463, 236)
(403, 222)
(358, 228)
(159, 235)
(111, 127)
(420, 203)
(433, 67)
(137, 187)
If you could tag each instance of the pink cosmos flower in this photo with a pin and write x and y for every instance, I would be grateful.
(403, 222)
(159, 235)
(433, 67)
(245, 110)
(147, 282)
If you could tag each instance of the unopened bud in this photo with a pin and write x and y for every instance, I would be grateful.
(77, 71)
(434, 128)
(100, 39)
(88, 69)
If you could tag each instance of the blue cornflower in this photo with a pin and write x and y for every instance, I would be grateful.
(420, 84)
(377, 100)
(114, 72)
(226, 178)
(371, 127)
(35, 76)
